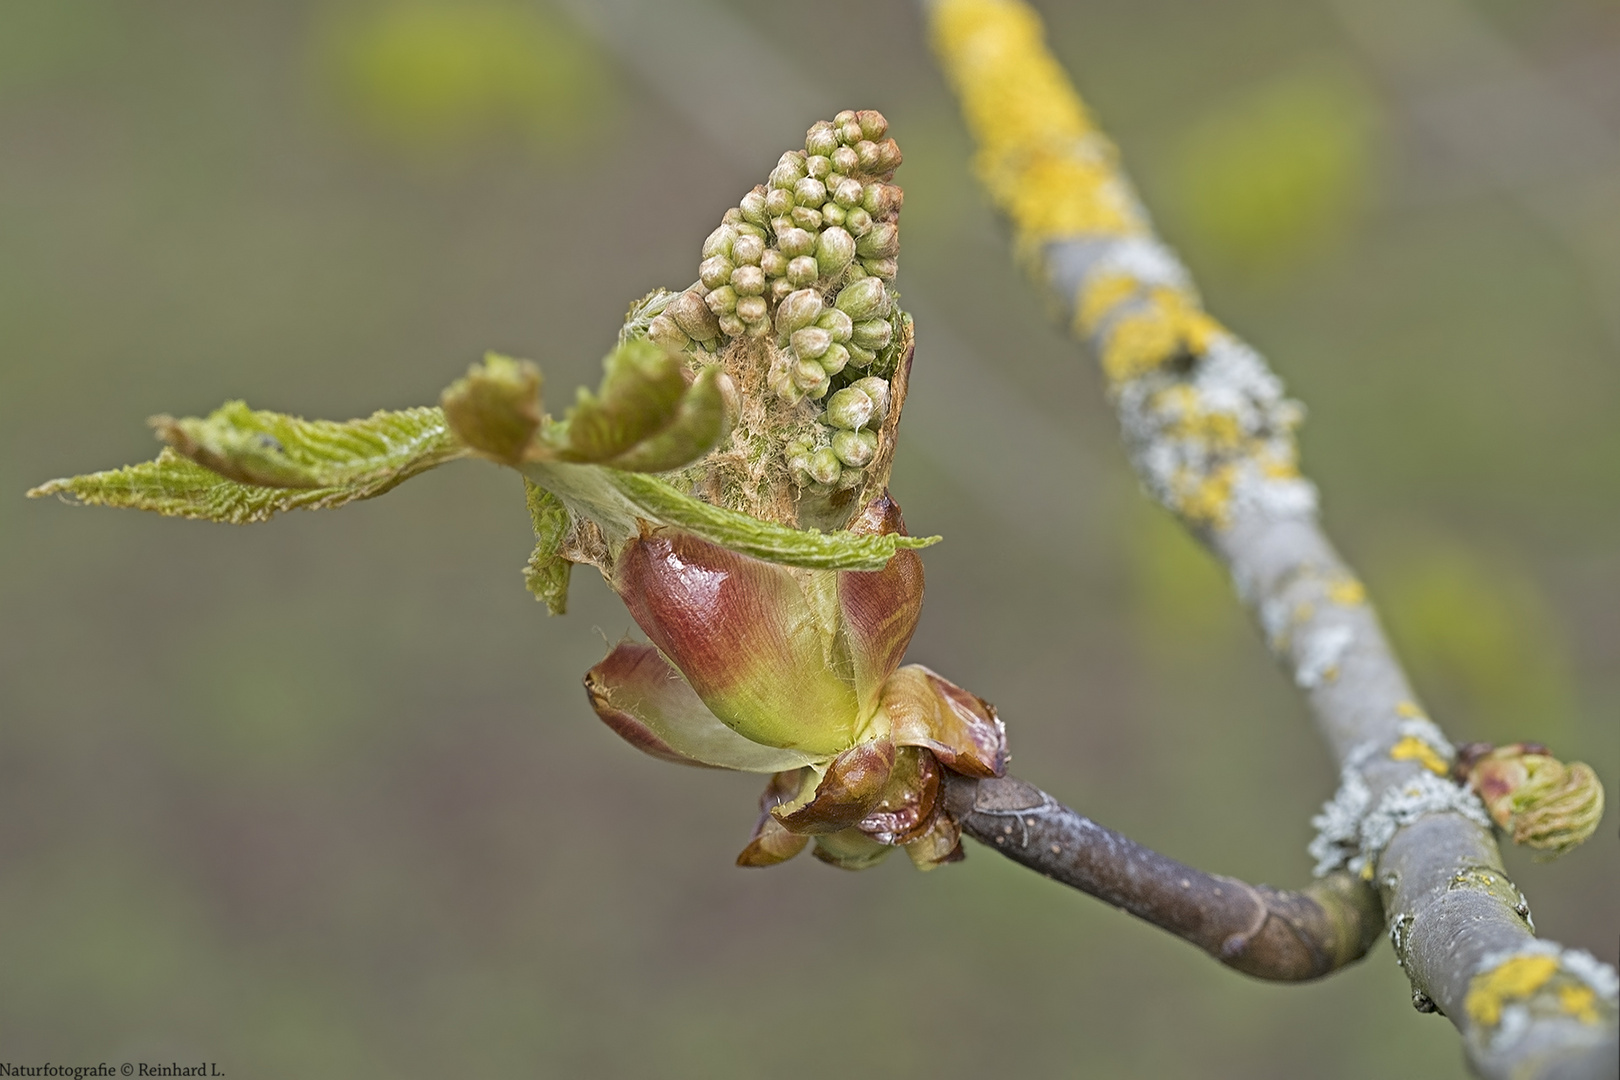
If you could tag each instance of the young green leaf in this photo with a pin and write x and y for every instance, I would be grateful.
(548, 572)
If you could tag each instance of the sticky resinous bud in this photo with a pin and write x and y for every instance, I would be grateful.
(1536, 799)
(795, 298)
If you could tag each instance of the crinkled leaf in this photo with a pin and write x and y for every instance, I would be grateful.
(495, 408)
(238, 465)
(701, 421)
(641, 393)
(548, 572)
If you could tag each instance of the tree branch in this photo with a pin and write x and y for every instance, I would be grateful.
(1258, 930)
(1211, 437)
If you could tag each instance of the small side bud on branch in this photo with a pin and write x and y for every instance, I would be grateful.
(1536, 799)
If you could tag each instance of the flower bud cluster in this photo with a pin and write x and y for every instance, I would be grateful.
(802, 265)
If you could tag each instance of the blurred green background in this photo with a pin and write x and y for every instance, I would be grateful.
(323, 797)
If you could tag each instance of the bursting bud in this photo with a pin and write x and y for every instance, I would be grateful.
(1538, 800)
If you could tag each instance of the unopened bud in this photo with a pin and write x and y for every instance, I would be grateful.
(832, 213)
(1540, 801)
(848, 193)
(880, 199)
(773, 262)
(842, 117)
(855, 448)
(849, 132)
(889, 156)
(808, 376)
(866, 152)
(803, 271)
(881, 268)
(845, 160)
(798, 311)
(780, 288)
(858, 222)
(836, 323)
(878, 390)
(810, 342)
(719, 242)
(778, 202)
(810, 192)
(795, 241)
(693, 316)
(789, 171)
(873, 124)
(882, 242)
(858, 356)
(751, 309)
(731, 326)
(714, 271)
(733, 216)
(748, 280)
(834, 359)
(864, 299)
(746, 250)
(824, 466)
(874, 334)
(722, 301)
(849, 408)
(822, 139)
(806, 218)
(753, 207)
(835, 249)
(664, 330)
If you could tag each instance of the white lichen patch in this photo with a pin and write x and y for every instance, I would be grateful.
(1351, 835)
(1319, 654)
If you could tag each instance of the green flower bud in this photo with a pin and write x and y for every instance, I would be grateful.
(849, 133)
(850, 409)
(722, 301)
(752, 309)
(848, 193)
(843, 117)
(714, 271)
(855, 448)
(819, 167)
(882, 241)
(834, 359)
(832, 180)
(746, 250)
(806, 218)
(811, 341)
(836, 323)
(731, 326)
(780, 288)
(808, 376)
(874, 334)
(858, 356)
(789, 171)
(889, 156)
(821, 140)
(719, 242)
(693, 316)
(824, 466)
(760, 327)
(733, 216)
(753, 207)
(809, 192)
(795, 241)
(878, 390)
(664, 330)
(780, 381)
(845, 160)
(858, 222)
(835, 248)
(773, 262)
(749, 229)
(748, 280)
(880, 199)
(881, 268)
(864, 299)
(1540, 801)
(778, 202)
(803, 271)
(873, 124)
(866, 152)
(832, 213)
(798, 311)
